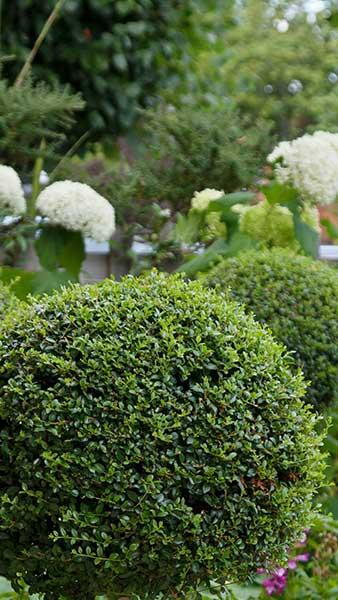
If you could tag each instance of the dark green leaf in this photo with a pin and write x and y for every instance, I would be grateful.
(306, 236)
(57, 247)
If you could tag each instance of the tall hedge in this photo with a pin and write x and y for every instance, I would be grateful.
(152, 436)
(114, 53)
(297, 298)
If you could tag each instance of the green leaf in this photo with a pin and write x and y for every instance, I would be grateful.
(21, 281)
(45, 282)
(188, 227)
(24, 283)
(203, 261)
(331, 229)
(278, 193)
(333, 19)
(306, 236)
(245, 592)
(220, 248)
(57, 247)
(239, 242)
(229, 200)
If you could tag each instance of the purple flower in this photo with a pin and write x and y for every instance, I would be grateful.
(302, 557)
(276, 583)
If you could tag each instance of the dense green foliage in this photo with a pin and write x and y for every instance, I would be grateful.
(298, 299)
(114, 53)
(191, 150)
(152, 436)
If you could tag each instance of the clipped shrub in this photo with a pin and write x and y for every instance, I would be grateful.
(298, 299)
(152, 437)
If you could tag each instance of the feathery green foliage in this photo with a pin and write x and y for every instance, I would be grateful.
(29, 114)
(191, 150)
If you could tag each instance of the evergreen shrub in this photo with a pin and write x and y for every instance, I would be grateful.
(190, 150)
(152, 437)
(297, 298)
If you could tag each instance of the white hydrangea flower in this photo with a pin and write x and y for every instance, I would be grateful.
(201, 200)
(12, 199)
(309, 164)
(76, 206)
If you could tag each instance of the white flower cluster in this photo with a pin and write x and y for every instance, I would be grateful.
(310, 165)
(201, 200)
(77, 207)
(12, 199)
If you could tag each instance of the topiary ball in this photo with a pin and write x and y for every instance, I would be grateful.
(297, 298)
(152, 437)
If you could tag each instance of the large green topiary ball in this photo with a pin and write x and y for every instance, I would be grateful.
(152, 436)
(297, 298)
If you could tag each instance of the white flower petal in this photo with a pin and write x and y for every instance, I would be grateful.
(12, 198)
(76, 206)
(201, 200)
(309, 164)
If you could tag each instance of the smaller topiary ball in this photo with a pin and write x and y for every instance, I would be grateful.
(297, 298)
(152, 437)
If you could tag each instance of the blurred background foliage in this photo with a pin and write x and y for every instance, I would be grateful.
(114, 53)
(272, 60)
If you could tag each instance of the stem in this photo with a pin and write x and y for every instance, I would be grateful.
(36, 180)
(68, 154)
(44, 32)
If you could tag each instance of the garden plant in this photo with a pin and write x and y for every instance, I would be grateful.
(60, 217)
(153, 438)
(283, 212)
(297, 299)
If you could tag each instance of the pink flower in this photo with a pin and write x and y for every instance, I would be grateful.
(269, 586)
(302, 557)
(276, 583)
